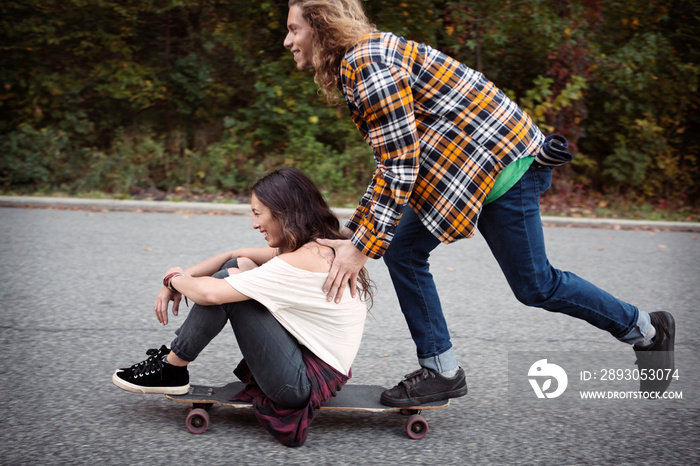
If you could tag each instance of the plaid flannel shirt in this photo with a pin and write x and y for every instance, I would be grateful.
(290, 425)
(440, 132)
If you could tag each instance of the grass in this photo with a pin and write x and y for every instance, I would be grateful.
(599, 206)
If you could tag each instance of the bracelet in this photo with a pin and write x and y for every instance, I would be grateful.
(168, 278)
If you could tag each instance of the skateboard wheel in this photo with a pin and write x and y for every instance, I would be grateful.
(197, 421)
(416, 427)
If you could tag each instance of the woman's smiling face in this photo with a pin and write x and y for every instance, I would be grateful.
(266, 223)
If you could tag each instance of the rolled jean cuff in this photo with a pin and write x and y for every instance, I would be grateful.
(442, 362)
(639, 330)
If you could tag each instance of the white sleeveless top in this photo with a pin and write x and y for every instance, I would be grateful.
(295, 297)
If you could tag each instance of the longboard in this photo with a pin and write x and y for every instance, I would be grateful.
(354, 397)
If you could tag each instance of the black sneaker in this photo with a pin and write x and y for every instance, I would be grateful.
(424, 386)
(154, 376)
(656, 362)
(152, 354)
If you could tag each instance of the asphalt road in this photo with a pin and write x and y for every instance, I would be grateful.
(77, 289)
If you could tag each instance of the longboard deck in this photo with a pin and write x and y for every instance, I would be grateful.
(352, 397)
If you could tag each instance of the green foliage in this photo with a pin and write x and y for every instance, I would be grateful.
(541, 103)
(645, 98)
(287, 125)
(130, 163)
(30, 157)
(124, 95)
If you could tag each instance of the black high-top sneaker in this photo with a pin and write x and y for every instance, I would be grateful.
(156, 376)
(153, 353)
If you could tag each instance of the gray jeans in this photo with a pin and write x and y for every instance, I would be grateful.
(273, 355)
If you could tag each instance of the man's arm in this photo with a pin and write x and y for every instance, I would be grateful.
(383, 103)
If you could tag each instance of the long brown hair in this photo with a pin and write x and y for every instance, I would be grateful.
(336, 26)
(304, 216)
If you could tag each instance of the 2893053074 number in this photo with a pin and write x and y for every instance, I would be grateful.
(638, 374)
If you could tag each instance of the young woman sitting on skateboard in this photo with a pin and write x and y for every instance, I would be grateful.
(297, 346)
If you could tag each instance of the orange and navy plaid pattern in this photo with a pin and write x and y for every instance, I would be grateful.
(440, 132)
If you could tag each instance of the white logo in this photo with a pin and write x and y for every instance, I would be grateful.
(549, 371)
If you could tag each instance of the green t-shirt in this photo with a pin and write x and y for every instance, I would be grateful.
(508, 177)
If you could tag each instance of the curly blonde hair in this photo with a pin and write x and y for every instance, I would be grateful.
(336, 26)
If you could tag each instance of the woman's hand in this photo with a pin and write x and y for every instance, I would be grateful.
(162, 301)
(174, 270)
(164, 297)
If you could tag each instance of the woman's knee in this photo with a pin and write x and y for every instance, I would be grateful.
(223, 271)
(221, 274)
(245, 264)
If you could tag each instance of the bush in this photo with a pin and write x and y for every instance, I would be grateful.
(33, 159)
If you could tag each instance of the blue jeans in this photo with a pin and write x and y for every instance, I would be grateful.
(512, 228)
(273, 355)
